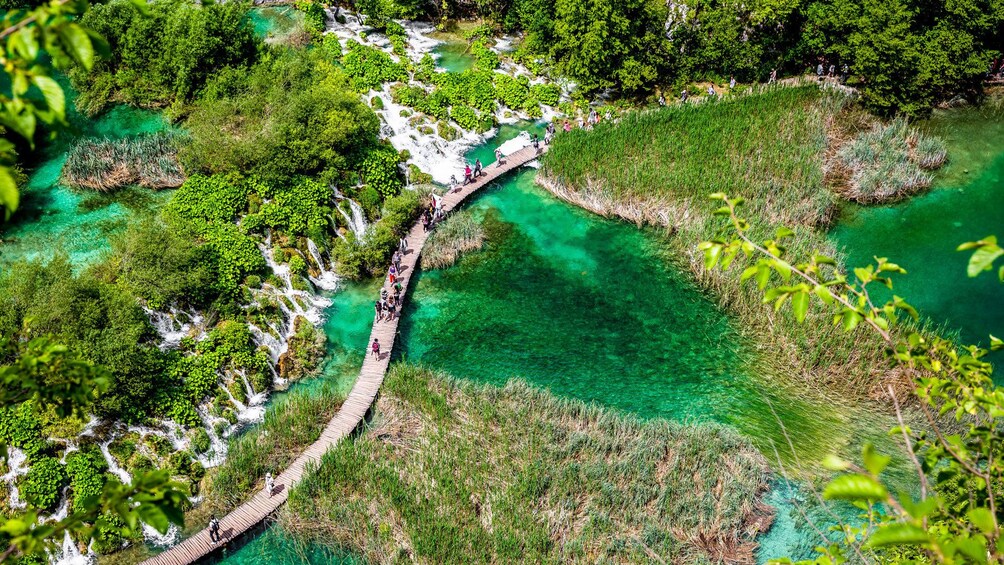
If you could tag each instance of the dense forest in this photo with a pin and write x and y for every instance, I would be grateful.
(905, 55)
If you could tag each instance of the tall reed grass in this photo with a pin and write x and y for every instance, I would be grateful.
(888, 162)
(150, 161)
(456, 472)
(458, 234)
(658, 167)
(289, 427)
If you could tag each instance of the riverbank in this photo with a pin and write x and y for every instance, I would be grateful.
(452, 471)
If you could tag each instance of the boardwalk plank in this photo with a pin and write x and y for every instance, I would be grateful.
(353, 410)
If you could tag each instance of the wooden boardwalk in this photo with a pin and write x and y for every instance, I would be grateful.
(358, 402)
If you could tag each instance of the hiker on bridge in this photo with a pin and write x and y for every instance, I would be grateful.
(477, 168)
(379, 310)
(269, 484)
(375, 348)
(214, 529)
(467, 174)
(499, 157)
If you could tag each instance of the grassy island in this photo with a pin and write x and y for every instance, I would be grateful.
(450, 471)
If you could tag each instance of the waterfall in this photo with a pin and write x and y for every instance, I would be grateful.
(69, 554)
(170, 327)
(326, 279)
(113, 465)
(263, 338)
(16, 466)
(218, 448)
(357, 219)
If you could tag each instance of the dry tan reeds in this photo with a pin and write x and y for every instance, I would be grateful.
(150, 161)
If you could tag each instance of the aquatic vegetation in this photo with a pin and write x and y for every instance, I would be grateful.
(150, 161)
(288, 428)
(452, 471)
(458, 234)
(658, 167)
(887, 162)
(370, 67)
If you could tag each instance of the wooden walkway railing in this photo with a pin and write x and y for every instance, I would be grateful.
(353, 410)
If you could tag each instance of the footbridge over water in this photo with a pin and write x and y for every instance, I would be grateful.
(248, 515)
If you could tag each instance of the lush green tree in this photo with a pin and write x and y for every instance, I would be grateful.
(291, 114)
(164, 52)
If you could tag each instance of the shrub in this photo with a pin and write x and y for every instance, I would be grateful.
(484, 58)
(547, 94)
(43, 485)
(86, 471)
(465, 117)
(370, 67)
(379, 170)
(200, 441)
(512, 92)
(446, 131)
(21, 427)
(297, 265)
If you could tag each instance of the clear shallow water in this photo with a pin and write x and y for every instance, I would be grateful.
(274, 20)
(274, 547)
(922, 233)
(55, 219)
(453, 56)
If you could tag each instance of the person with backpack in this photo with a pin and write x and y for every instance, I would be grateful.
(214, 529)
(477, 168)
(379, 310)
(375, 348)
(467, 174)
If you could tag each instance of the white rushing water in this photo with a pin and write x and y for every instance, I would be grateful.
(326, 278)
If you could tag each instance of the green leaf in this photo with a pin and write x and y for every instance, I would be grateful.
(800, 305)
(748, 272)
(982, 519)
(854, 488)
(77, 44)
(824, 294)
(762, 277)
(783, 269)
(9, 197)
(983, 258)
(834, 463)
(54, 96)
(851, 319)
(898, 534)
(875, 462)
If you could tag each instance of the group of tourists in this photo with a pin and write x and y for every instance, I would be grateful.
(824, 72)
(470, 174)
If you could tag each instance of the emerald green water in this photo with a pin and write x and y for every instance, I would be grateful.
(922, 233)
(454, 56)
(55, 219)
(274, 547)
(274, 21)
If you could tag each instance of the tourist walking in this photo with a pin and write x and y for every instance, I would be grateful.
(379, 310)
(568, 126)
(269, 484)
(392, 274)
(711, 90)
(550, 128)
(375, 348)
(536, 142)
(402, 245)
(547, 138)
(662, 100)
(819, 71)
(732, 83)
(773, 76)
(845, 72)
(683, 95)
(467, 174)
(214, 529)
(396, 260)
(391, 308)
(477, 168)
(833, 71)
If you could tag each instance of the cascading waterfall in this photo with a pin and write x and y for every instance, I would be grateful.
(356, 218)
(326, 278)
(16, 467)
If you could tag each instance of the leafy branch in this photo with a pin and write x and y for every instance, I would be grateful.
(957, 516)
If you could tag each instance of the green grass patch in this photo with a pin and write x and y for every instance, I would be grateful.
(289, 427)
(450, 471)
(458, 234)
